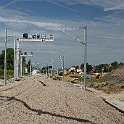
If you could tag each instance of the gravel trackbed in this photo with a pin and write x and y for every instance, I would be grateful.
(38, 100)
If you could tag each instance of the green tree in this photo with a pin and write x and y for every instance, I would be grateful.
(82, 66)
(88, 67)
(114, 64)
(2, 60)
(23, 63)
(10, 59)
(102, 68)
(121, 63)
(76, 67)
(29, 63)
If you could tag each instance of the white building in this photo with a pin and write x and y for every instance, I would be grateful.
(35, 72)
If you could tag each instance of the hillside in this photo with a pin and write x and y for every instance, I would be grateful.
(116, 76)
(112, 82)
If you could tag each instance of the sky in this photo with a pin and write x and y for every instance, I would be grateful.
(65, 19)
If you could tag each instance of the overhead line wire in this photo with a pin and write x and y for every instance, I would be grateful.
(95, 12)
(53, 2)
(8, 4)
(98, 6)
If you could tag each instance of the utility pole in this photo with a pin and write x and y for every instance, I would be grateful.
(85, 55)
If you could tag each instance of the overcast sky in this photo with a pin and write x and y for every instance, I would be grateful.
(104, 18)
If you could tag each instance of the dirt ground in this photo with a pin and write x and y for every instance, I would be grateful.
(38, 100)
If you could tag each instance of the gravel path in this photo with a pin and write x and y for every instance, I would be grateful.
(37, 100)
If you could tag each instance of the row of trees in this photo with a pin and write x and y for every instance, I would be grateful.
(101, 67)
(10, 59)
(10, 63)
(107, 67)
(98, 68)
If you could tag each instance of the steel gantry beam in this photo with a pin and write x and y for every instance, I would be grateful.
(25, 38)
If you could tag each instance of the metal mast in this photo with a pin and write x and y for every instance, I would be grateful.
(85, 55)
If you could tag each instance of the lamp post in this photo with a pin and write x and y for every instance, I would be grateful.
(5, 64)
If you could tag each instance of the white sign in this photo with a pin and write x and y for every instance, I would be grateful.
(37, 37)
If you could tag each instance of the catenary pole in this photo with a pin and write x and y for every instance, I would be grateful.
(5, 56)
(17, 58)
(21, 66)
(63, 66)
(52, 70)
(14, 58)
(30, 67)
(85, 55)
(5, 64)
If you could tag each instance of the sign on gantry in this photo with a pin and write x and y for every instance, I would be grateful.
(37, 37)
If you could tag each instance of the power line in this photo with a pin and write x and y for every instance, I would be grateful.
(8, 4)
(74, 10)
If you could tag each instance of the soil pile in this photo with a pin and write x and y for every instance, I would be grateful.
(114, 80)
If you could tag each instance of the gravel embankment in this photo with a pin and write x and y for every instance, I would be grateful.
(37, 100)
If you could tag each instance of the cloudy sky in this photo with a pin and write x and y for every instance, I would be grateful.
(104, 18)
